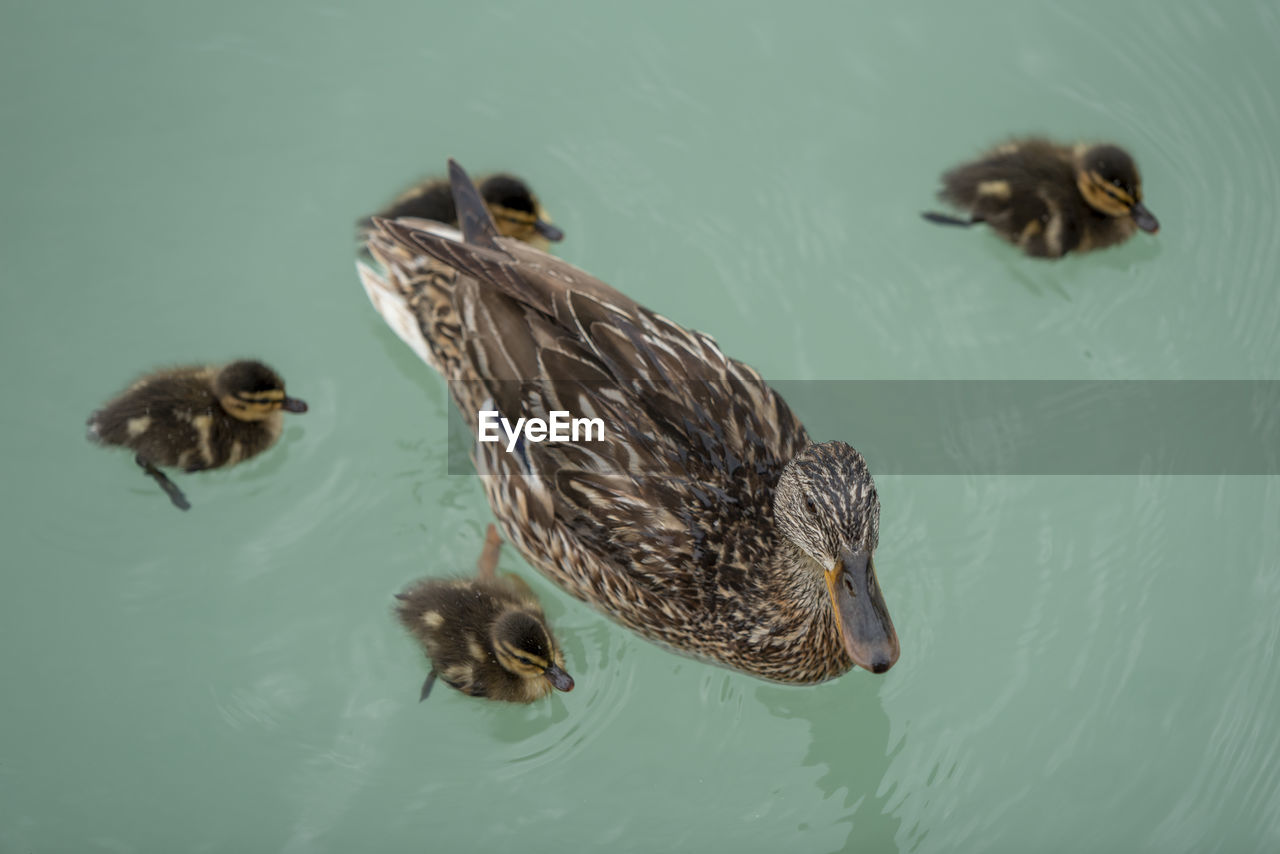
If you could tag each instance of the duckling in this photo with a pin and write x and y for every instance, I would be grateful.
(423, 286)
(515, 209)
(1050, 199)
(487, 637)
(195, 418)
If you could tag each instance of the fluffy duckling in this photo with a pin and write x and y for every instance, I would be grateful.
(1050, 199)
(196, 418)
(487, 636)
(514, 207)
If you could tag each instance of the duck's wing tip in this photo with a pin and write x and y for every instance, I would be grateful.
(477, 225)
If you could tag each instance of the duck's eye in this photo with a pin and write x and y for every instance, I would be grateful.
(811, 507)
(1115, 182)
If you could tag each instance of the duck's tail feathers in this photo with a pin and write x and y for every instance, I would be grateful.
(947, 219)
(394, 308)
(477, 225)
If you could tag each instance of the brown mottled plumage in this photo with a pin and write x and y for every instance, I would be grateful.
(485, 636)
(196, 418)
(706, 521)
(1050, 199)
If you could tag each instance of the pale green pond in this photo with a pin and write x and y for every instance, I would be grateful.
(1089, 663)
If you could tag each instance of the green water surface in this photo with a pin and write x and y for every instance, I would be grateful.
(1089, 663)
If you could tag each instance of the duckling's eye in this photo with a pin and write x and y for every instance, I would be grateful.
(1115, 182)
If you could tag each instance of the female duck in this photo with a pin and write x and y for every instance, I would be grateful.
(1050, 199)
(487, 637)
(196, 418)
(706, 521)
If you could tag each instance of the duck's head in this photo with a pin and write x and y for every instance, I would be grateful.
(826, 506)
(524, 647)
(251, 391)
(517, 212)
(1109, 182)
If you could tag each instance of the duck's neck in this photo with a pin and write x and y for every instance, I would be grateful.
(800, 577)
(806, 613)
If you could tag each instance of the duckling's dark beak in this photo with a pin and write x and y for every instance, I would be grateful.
(292, 404)
(549, 231)
(559, 680)
(1143, 217)
(865, 626)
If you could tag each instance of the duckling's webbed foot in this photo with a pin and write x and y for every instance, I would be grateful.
(426, 686)
(170, 488)
(947, 219)
(488, 561)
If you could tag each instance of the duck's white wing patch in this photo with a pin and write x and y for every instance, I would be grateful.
(389, 303)
(439, 229)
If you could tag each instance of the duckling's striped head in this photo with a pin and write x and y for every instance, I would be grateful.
(251, 391)
(1108, 179)
(516, 211)
(523, 646)
(826, 506)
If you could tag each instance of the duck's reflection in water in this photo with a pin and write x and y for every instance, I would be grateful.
(850, 743)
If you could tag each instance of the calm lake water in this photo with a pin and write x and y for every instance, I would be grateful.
(1089, 663)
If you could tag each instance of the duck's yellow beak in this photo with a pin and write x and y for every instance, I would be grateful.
(863, 618)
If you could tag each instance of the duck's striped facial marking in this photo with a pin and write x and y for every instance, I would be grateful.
(826, 502)
(255, 409)
(1108, 179)
(251, 391)
(1109, 197)
(275, 395)
(532, 227)
(520, 661)
(522, 644)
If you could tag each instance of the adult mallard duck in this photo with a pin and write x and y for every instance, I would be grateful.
(485, 636)
(1050, 199)
(706, 521)
(196, 418)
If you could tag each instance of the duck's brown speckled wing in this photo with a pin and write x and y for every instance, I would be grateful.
(667, 524)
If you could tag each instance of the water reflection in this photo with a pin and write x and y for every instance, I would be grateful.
(849, 740)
